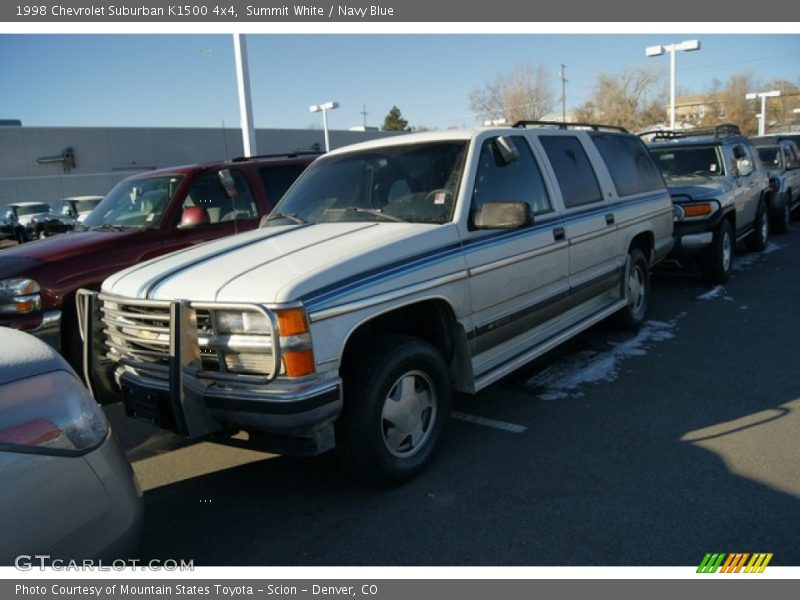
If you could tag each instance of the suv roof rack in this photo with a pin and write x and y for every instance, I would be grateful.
(562, 125)
(718, 131)
(293, 154)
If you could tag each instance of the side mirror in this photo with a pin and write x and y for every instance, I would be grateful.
(226, 179)
(506, 149)
(745, 167)
(193, 217)
(503, 215)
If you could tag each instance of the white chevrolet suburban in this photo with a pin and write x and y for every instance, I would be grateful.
(390, 274)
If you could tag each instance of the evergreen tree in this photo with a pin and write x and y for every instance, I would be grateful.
(394, 121)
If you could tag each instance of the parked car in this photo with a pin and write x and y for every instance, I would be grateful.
(781, 158)
(720, 193)
(145, 215)
(64, 216)
(10, 229)
(68, 491)
(19, 218)
(391, 273)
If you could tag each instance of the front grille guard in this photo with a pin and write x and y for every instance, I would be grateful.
(183, 376)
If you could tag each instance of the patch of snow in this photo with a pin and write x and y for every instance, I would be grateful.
(562, 380)
(717, 292)
(746, 261)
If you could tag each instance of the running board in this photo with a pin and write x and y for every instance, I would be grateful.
(549, 344)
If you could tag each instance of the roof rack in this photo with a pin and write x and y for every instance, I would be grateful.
(562, 125)
(719, 131)
(293, 154)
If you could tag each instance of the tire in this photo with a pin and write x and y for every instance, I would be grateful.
(636, 289)
(760, 237)
(718, 260)
(396, 406)
(783, 220)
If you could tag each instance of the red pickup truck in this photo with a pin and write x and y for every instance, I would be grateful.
(143, 216)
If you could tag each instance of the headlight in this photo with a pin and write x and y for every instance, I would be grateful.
(19, 297)
(51, 414)
(694, 210)
(245, 322)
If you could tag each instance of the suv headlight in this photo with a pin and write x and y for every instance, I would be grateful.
(50, 413)
(19, 297)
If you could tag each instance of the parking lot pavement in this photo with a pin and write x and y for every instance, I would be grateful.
(617, 449)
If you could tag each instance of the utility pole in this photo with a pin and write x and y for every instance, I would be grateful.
(561, 73)
(365, 113)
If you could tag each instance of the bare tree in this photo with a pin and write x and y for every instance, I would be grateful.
(524, 94)
(727, 103)
(624, 99)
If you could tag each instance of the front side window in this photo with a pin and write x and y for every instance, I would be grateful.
(574, 172)
(135, 204)
(499, 179)
(208, 193)
(411, 183)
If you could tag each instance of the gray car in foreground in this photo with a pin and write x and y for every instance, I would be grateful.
(67, 489)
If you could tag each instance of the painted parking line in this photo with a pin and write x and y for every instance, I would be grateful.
(502, 425)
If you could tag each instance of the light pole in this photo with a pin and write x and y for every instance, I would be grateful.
(762, 118)
(687, 46)
(245, 103)
(324, 108)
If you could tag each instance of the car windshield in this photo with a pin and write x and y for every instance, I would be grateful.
(32, 209)
(771, 156)
(688, 161)
(407, 183)
(135, 203)
(87, 205)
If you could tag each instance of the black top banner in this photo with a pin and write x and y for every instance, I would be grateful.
(443, 11)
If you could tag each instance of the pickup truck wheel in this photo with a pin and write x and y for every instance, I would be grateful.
(758, 239)
(397, 403)
(636, 290)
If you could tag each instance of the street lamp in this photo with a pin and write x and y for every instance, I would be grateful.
(324, 108)
(687, 46)
(762, 118)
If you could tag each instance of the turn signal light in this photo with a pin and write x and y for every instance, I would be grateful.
(292, 321)
(298, 363)
(697, 210)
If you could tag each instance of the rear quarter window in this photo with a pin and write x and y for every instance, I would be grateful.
(574, 172)
(629, 163)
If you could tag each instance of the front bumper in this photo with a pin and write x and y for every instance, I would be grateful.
(194, 403)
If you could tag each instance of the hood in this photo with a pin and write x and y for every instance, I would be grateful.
(318, 264)
(696, 188)
(67, 246)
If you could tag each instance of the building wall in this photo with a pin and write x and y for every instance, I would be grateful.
(105, 155)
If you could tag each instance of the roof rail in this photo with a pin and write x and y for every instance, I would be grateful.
(562, 125)
(293, 154)
(718, 131)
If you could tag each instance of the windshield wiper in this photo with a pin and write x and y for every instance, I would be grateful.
(291, 216)
(111, 227)
(370, 211)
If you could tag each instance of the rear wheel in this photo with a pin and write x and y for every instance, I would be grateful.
(637, 290)
(397, 403)
(718, 261)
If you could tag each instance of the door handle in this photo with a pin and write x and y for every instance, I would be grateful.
(559, 234)
(609, 219)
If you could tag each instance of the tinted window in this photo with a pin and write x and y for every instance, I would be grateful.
(500, 180)
(278, 178)
(573, 170)
(629, 163)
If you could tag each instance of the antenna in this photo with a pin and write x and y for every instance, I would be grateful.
(561, 73)
(225, 139)
(365, 113)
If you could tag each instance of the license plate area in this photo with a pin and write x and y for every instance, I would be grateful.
(151, 406)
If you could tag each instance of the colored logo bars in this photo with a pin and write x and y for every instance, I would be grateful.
(733, 563)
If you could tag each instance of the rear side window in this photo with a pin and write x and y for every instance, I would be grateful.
(278, 178)
(629, 163)
(573, 170)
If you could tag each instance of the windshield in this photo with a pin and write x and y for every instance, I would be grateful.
(771, 156)
(32, 209)
(135, 204)
(410, 183)
(688, 161)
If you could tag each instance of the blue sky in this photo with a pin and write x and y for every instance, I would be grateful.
(189, 80)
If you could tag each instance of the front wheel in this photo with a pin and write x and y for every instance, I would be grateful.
(758, 239)
(718, 261)
(396, 407)
(636, 290)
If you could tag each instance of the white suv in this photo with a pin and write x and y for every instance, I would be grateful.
(391, 273)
